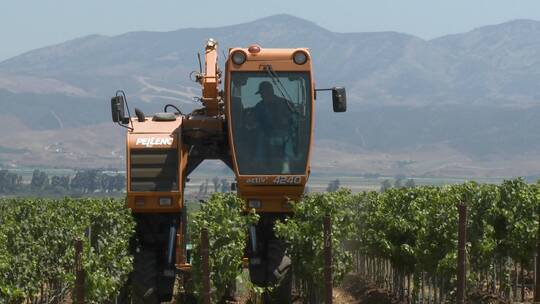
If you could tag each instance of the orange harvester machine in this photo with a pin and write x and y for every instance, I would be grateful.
(260, 125)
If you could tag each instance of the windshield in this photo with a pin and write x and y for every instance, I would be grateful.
(271, 121)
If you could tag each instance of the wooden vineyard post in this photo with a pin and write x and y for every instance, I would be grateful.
(205, 266)
(328, 258)
(537, 268)
(462, 239)
(79, 272)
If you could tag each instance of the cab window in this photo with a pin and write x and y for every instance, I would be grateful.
(271, 122)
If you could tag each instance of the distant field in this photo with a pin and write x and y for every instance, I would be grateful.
(317, 182)
(357, 183)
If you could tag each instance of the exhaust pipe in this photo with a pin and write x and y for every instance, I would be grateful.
(170, 247)
(253, 238)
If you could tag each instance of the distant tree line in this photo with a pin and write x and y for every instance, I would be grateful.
(96, 181)
(333, 185)
(399, 182)
(9, 182)
(83, 182)
(220, 185)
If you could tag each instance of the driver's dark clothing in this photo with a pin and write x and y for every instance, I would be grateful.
(273, 116)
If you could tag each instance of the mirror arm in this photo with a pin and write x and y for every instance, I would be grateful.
(124, 124)
(317, 90)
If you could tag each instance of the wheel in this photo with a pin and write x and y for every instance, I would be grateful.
(166, 287)
(278, 274)
(152, 279)
(269, 265)
(274, 270)
(144, 278)
(124, 294)
(149, 283)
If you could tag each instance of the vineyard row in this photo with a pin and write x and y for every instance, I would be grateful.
(410, 233)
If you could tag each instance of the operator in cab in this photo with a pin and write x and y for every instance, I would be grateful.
(273, 116)
(273, 113)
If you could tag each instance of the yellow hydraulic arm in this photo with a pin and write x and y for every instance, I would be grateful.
(210, 80)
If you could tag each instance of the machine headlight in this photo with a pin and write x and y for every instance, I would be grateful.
(239, 57)
(165, 201)
(254, 203)
(300, 57)
(254, 49)
(139, 201)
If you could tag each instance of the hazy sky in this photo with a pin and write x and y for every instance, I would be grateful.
(29, 24)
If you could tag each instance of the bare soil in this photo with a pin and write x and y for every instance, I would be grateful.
(356, 290)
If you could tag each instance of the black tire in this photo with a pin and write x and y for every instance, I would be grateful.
(278, 274)
(282, 293)
(124, 294)
(144, 278)
(165, 288)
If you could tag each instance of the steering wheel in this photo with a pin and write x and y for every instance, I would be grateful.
(172, 106)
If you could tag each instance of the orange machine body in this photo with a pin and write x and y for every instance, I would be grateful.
(159, 155)
(155, 155)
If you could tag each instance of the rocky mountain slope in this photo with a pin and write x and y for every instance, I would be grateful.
(473, 95)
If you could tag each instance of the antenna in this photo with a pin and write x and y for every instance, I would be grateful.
(200, 64)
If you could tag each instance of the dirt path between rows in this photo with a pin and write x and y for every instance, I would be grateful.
(356, 290)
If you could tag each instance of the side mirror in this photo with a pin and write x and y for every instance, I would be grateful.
(117, 110)
(339, 99)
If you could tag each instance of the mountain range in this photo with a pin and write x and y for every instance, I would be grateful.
(460, 105)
